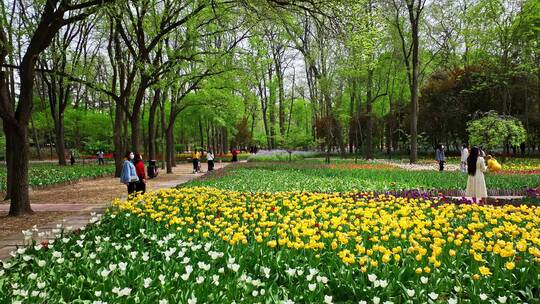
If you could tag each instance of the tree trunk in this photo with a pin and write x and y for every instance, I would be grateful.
(152, 125)
(135, 132)
(414, 19)
(414, 99)
(352, 116)
(117, 139)
(36, 140)
(135, 119)
(163, 128)
(9, 186)
(369, 127)
(201, 133)
(169, 148)
(59, 140)
(17, 151)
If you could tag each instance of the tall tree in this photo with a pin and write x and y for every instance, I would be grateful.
(54, 15)
(411, 52)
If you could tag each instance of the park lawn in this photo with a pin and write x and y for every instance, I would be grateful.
(207, 245)
(284, 176)
(50, 174)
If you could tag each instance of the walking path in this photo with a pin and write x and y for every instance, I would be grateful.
(79, 203)
(417, 167)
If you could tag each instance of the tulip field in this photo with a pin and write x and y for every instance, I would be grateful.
(348, 176)
(243, 244)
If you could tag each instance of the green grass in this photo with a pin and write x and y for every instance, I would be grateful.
(281, 156)
(312, 177)
(50, 174)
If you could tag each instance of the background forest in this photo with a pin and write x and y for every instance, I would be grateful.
(347, 76)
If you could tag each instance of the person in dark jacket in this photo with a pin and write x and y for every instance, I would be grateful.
(234, 153)
(72, 157)
(439, 156)
(140, 186)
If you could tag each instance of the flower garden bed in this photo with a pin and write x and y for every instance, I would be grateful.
(205, 245)
(344, 177)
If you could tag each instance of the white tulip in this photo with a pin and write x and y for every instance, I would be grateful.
(328, 299)
(192, 300)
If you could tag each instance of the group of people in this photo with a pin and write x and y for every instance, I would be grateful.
(133, 173)
(474, 162)
(196, 157)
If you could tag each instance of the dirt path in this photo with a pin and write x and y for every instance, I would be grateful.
(417, 167)
(72, 205)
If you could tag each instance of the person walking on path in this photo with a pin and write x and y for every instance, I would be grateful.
(129, 173)
(195, 159)
(476, 184)
(439, 156)
(464, 156)
(140, 186)
(72, 157)
(100, 156)
(234, 153)
(210, 160)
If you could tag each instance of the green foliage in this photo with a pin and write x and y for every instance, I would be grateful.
(493, 131)
(84, 129)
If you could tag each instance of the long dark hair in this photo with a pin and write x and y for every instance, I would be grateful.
(137, 158)
(471, 161)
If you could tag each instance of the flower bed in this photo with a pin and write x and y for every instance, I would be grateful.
(41, 175)
(204, 245)
(367, 177)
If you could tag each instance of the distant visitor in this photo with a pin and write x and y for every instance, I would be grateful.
(100, 157)
(439, 156)
(210, 160)
(464, 156)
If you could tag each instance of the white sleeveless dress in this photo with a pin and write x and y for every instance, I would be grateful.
(476, 185)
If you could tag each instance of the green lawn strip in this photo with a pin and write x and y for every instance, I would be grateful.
(51, 174)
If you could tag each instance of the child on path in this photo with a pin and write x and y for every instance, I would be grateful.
(492, 164)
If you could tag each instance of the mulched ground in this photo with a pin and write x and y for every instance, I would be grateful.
(10, 225)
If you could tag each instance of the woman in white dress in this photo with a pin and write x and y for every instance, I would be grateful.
(476, 184)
